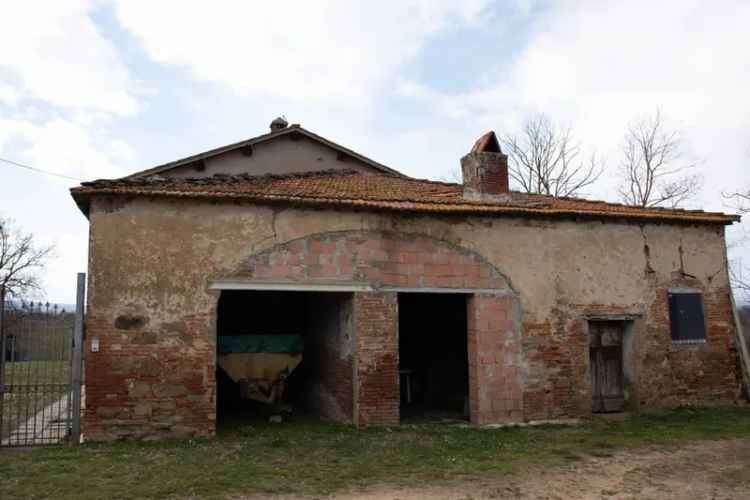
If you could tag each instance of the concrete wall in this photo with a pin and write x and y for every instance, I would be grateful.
(279, 156)
(150, 305)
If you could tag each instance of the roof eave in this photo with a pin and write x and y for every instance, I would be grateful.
(82, 200)
(83, 197)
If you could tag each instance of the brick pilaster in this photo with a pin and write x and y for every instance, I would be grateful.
(495, 355)
(376, 387)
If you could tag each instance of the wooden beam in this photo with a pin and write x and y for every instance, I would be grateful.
(247, 150)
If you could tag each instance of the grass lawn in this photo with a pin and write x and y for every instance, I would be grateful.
(312, 458)
(42, 372)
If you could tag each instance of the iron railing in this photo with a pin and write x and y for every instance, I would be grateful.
(40, 372)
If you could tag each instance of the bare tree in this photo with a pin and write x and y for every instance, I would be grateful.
(21, 259)
(654, 171)
(742, 198)
(547, 159)
(740, 281)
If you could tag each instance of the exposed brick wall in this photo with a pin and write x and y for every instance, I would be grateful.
(556, 356)
(689, 374)
(377, 258)
(495, 359)
(377, 393)
(485, 173)
(147, 380)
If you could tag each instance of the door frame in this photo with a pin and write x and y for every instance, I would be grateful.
(631, 325)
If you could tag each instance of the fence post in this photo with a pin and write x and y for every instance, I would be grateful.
(2, 360)
(77, 367)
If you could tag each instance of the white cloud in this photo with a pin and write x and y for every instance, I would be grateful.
(333, 51)
(64, 147)
(41, 204)
(53, 52)
(9, 94)
(598, 65)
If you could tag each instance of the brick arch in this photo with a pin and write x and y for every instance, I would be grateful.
(388, 261)
(377, 258)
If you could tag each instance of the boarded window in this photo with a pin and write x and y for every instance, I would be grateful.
(686, 318)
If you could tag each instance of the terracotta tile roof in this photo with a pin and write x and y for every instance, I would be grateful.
(378, 192)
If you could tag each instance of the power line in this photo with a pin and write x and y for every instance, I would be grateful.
(38, 170)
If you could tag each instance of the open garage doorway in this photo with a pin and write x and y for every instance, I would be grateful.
(284, 353)
(433, 356)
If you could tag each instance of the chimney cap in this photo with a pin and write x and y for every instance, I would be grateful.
(485, 170)
(488, 143)
(279, 123)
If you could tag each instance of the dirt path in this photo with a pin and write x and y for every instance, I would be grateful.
(716, 470)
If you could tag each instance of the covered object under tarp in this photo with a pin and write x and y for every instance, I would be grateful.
(260, 363)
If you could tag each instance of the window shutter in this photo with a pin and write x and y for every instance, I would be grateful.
(687, 323)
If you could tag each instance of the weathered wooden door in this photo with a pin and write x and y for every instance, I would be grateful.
(605, 361)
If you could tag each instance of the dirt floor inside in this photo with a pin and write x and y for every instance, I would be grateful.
(716, 470)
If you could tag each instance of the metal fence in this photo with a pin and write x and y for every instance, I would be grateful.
(38, 356)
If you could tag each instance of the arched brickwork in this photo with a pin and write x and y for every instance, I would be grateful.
(393, 261)
(376, 258)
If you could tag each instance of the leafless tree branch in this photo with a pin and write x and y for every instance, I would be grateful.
(21, 259)
(739, 280)
(655, 171)
(546, 159)
(740, 277)
(741, 199)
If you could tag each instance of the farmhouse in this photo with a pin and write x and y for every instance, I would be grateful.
(291, 270)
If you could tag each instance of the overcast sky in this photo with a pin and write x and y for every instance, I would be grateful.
(96, 89)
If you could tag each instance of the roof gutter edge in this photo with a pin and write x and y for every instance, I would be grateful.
(82, 199)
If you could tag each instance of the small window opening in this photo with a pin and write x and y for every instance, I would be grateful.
(687, 322)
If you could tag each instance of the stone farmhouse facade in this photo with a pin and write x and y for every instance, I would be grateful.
(565, 306)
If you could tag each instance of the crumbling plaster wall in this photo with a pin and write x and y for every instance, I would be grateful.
(150, 305)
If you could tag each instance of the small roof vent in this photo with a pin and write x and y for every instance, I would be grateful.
(279, 123)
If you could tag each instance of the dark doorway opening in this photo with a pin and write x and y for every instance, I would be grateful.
(607, 366)
(283, 353)
(433, 356)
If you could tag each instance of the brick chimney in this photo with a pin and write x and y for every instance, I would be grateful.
(485, 168)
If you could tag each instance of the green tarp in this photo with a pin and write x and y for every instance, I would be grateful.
(261, 343)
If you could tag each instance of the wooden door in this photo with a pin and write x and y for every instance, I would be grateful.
(605, 362)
